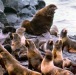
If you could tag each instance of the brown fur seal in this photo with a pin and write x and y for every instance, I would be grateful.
(21, 32)
(41, 22)
(16, 41)
(48, 68)
(47, 45)
(12, 65)
(68, 43)
(57, 54)
(18, 49)
(33, 55)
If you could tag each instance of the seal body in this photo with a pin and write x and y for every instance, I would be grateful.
(33, 55)
(57, 54)
(68, 44)
(41, 22)
(48, 67)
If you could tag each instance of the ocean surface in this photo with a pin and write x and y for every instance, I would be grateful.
(65, 15)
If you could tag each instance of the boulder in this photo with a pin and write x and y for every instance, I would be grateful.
(3, 19)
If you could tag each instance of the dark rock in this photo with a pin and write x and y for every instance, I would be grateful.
(40, 5)
(8, 29)
(9, 10)
(3, 19)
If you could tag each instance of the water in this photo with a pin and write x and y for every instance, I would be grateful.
(65, 16)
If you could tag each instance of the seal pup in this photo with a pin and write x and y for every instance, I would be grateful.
(18, 49)
(13, 66)
(41, 22)
(54, 30)
(21, 32)
(16, 41)
(48, 67)
(68, 44)
(34, 56)
(47, 45)
(57, 54)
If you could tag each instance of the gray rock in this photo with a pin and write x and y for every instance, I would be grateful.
(33, 2)
(3, 19)
(1, 6)
(11, 3)
(28, 12)
(12, 18)
(1, 25)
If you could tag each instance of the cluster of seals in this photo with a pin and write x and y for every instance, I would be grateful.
(41, 22)
(48, 67)
(68, 43)
(13, 66)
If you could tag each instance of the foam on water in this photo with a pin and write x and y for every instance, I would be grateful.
(65, 16)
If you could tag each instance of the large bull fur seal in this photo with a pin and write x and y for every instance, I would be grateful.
(41, 22)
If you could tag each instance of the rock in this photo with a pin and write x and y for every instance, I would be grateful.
(3, 19)
(10, 10)
(12, 19)
(40, 5)
(11, 3)
(28, 12)
(1, 25)
(1, 6)
(33, 2)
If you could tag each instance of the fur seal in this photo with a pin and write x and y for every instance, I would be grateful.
(48, 68)
(12, 65)
(21, 32)
(68, 43)
(54, 30)
(47, 45)
(41, 22)
(33, 55)
(57, 54)
(18, 49)
(16, 41)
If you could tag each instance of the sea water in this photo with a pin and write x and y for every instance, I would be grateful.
(65, 15)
